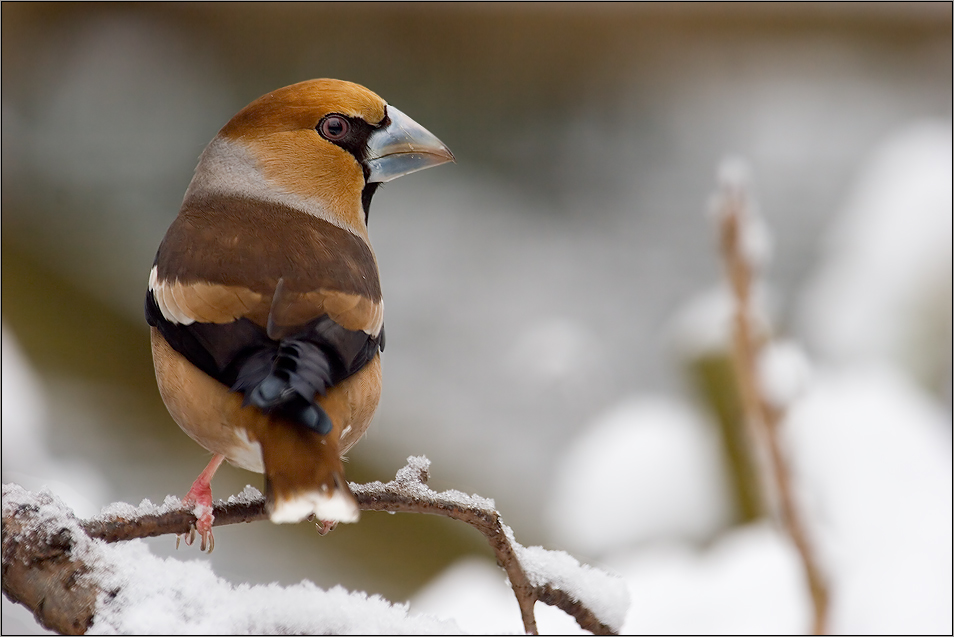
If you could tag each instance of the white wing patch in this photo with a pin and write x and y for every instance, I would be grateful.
(377, 320)
(162, 293)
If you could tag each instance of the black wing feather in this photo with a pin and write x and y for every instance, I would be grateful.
(277, 376)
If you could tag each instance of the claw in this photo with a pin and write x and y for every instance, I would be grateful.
(205, 536)
(203, 525)
(188, 537)
(325, 527)
(207, 541)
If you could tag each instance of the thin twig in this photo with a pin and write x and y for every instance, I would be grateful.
(763, 416)
(393, 497)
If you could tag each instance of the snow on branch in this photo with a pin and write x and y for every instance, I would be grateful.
(65, 572)
(597, 600)
(76, 584)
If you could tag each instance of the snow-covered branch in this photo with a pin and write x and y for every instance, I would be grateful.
(61, 568)
(595, 599)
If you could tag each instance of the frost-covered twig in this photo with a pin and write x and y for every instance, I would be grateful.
(743, 241)
(596, 600)
(120, 521)
(409, 493)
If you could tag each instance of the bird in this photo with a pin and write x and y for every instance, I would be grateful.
(264, 300)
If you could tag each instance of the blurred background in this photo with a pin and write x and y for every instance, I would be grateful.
(552, 305)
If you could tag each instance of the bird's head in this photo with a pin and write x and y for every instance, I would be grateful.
(322, 146)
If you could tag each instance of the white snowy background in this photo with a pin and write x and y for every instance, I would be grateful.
(545, 296)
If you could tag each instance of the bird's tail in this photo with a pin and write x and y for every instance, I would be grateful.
(296, 490)
(284, 380)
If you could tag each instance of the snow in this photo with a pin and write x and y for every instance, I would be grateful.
(171, 503)
(475, 593)
(412, 476)
(646, 469)
(784, 371)
(149, 594)
(871, 454)
(246, 496)
(48, 514)
(871, 459)
(125, 510)
(169, 596)
(409, 481)
(604, 594)
(883, 291)
(870, 449)
(734, 174)
(749, 582)
(735, 196)
(704, 324)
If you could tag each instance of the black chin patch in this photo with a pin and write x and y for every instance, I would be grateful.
(366, 194)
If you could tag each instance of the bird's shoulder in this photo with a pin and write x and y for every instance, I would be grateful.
(231, 257)
(268, 300)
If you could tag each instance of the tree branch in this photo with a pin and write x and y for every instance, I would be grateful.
(41, 571)
(736, 220)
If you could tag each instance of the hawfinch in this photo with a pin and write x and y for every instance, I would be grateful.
(264, 301)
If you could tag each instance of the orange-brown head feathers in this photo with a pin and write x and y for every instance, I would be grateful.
(301, 106)
(319, 146)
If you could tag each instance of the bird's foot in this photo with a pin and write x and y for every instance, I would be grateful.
(203, 525)
(200, 497)
(325, 527)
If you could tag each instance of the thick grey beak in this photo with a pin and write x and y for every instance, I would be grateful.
(403, 147)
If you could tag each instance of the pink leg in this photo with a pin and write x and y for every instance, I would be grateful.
(200, 495)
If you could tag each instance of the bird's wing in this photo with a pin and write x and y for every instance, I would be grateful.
(280, 317)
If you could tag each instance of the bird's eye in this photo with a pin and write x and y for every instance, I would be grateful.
(334, 127)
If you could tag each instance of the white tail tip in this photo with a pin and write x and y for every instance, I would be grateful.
(336, 506)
